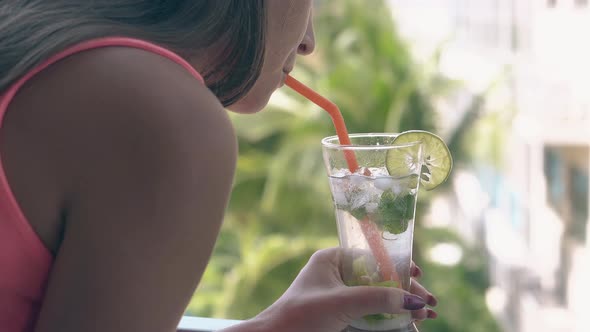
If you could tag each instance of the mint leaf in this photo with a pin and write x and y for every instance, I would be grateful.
(372, 319)
(394, 212)
(396, 226)
(387, 283)
(359, 213)
(404, 206)
(359, 267)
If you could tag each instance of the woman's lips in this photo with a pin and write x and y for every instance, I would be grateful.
(284, 77)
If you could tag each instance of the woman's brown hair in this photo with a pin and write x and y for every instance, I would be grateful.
(233, 31)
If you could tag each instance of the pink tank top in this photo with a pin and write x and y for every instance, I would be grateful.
(25, 263)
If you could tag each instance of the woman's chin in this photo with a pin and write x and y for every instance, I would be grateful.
(250, 104)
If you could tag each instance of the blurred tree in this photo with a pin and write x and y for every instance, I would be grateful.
(276, 217)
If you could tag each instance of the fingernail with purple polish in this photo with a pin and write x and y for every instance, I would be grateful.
(413, 302)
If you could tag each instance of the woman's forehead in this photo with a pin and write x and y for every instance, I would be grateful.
(285, 12)
(285, 8)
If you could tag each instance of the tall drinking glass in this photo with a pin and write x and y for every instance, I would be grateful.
(375, 208)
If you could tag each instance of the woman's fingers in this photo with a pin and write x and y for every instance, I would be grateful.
(360, 301)
(422, 314)
(415, 271)
(419, 290)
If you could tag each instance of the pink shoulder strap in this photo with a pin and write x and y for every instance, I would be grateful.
(93, 44)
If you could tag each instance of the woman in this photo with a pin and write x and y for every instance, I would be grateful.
(118, 158)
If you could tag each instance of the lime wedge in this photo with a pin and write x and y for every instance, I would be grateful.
(436, 157)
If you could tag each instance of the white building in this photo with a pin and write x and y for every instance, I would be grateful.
(536, 226)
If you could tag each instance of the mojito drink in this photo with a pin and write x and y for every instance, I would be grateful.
(375, 208)
(389, 203)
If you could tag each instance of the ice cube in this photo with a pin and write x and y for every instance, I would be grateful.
(384, 183)
(359, 199)
(376, 172)
(397, 188)
(340, 198)
(357, 180)
(362, 192)
(341, 185)
(371, 207)
(340, 172)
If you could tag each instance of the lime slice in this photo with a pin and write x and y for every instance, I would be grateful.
(436, 157)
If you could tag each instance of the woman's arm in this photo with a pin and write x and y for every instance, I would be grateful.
(150, 167)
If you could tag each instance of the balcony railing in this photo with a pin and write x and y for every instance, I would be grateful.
(198, 324)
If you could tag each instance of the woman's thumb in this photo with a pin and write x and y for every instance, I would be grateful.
(359, 301)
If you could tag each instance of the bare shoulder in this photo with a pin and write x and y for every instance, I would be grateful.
(146, 155)
(115, 84)
(147, 101)
(122, 98)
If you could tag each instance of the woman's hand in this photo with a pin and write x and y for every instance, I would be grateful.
(318, 300)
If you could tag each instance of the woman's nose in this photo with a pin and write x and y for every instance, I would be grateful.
(307, 45)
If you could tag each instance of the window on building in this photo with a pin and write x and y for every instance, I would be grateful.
(582, 3)
(551, 3)
(579, 205)
(566, 173)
